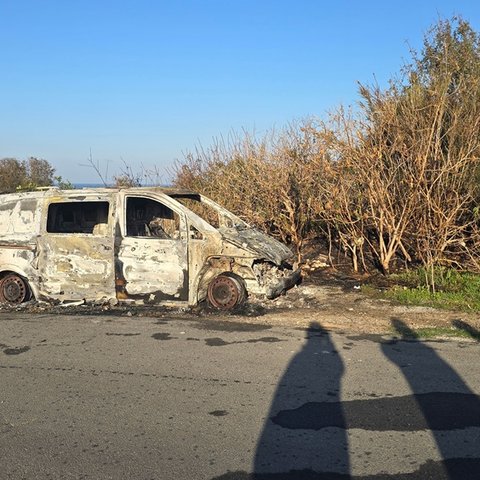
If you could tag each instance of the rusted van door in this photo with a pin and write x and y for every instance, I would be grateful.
(152, 252)
(75, 250)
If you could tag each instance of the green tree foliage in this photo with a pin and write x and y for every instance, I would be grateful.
(40, 172)
(24, 174)
(12, 174)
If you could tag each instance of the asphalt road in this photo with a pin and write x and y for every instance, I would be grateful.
(104, 397)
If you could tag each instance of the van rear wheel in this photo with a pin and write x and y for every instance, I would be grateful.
(13, 289)
(227, 291)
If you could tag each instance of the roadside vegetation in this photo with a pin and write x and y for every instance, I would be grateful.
(458, 329)
(392, 184)
(452, 289)
(24, 175)
(17, 175)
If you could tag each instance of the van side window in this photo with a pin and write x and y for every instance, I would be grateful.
(148, 218)
(78, 217)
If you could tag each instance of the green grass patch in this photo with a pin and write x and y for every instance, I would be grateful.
(452, 290)
(436, 332)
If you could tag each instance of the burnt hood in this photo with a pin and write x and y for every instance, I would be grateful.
(255, 241)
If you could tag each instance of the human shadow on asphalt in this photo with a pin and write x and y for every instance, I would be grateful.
(299, 439)
(447, 404)
(304, 436)
(468, 329)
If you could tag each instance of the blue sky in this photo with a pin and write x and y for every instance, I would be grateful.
(142, 82)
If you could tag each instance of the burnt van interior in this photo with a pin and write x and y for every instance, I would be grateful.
(149, 218)
(76, 217)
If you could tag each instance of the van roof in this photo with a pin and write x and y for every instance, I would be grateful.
(52, 191)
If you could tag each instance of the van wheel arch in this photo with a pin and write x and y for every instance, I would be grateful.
(14, 288)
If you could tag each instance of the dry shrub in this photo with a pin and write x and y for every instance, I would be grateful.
(268, 181)
(426, 133)
(398, 180)
(407, 165)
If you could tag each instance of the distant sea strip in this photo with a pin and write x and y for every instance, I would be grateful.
(90, 185)
(101, 185)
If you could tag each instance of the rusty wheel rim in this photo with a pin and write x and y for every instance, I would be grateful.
(13, 289)
(224, 292)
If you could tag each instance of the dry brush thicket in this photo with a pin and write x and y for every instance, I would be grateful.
(394, 181)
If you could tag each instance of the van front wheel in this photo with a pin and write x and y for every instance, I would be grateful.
(227, 291)
(13, 289)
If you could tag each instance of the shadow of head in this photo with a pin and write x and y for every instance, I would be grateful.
(468, 329)
(316, 327)
(403, 329)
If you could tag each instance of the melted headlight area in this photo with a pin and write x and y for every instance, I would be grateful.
(275, 280)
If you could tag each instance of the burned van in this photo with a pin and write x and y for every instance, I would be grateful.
(148, 245)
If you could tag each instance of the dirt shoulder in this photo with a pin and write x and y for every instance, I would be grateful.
(337, 308)
(337, 301)
(334, 305)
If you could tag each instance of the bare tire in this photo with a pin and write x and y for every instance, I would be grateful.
(13, 289)
(227, 291)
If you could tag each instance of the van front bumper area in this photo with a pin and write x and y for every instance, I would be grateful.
(283, 284)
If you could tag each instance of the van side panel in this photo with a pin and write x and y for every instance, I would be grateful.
(20, 217)
(75, 252)
(76, 267)
(151, 265)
